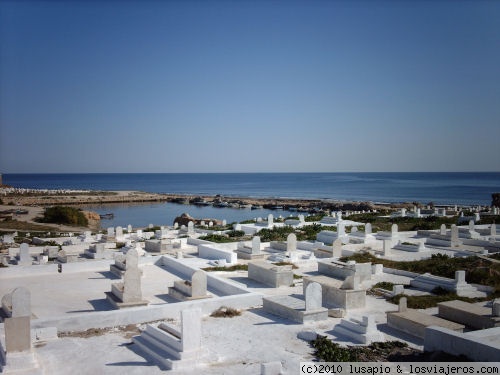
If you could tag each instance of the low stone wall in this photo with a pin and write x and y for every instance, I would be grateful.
(479, 346)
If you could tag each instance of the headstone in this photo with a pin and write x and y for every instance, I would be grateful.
(493, 230)
(454, 236)
(191, 329)
(403, 212)
(224, 222)
(340, 229)
(403, 304)
(313, 296)
(119, 232)
(398, 289)
(111, 231)
(460, 278)
(477, 217)
(351, 282)
(291, 242)
(337, 248)
(190, 227)
(210, 224)
(256, 245)
(202, 223)
(24, 255)
(21, 302)
(471, 225)
(270, 220)
(339, 215)
(495, 311)
(368, 228)
(259, 220)
(199, 284)
(150, 226)
(132, 278)
(354, 229)
(129, 228)
(394, 230)
(176, 225)
(237, 226)
(442, 231)
(387, 247)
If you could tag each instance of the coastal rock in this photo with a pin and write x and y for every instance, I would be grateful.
(93, 218)
(185, 218)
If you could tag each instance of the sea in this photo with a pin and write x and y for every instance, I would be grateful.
(463, 188)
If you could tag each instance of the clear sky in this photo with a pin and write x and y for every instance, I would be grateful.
(249, 86)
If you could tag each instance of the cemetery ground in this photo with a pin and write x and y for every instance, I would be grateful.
(282, 259)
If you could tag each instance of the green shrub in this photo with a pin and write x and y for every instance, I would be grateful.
(218, 238)
(236, 233)
(64, 215)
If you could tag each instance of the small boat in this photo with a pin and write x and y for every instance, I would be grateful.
(107, 216)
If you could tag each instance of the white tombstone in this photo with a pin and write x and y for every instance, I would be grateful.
(394, 230)
(340, 229)
(403, 305)
(387, 247)
(493, 230)
(368, 228)
(119, 233)
(454, 236)
(237, 226)
(351, 282)
(256, 245)
(270, 220)
(460, 278)
(477, 217)
(313, 296)
(24, 255)
(111, 231)
(202, 223)
(129, 228)
(132, 278)
(398, 289)
(291, 242)
(495, 310)
(191, 329)
(210, 224)
(199, 284)
(442, 231)
(176, 225)
(471, 225)
(337, 248)
(339, 215)
(224, 222)
(21, 302)
(190, 227)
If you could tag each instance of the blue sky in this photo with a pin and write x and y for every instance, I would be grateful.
(249, 86)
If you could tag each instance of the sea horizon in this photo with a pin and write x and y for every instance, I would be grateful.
(466, 188)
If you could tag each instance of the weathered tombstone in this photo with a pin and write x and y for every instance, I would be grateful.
(313, 296)
(129, 228)
(368, 228)
(337, 248)
(493, 230)
(21, 302)
(256, 245)
(199, 284)
(403, 212)
(202, 223)
(111, 231)
(354, 229)
(339, 215)
(259, 220)
(291, 242)
(224, 222)
(477, 217)
(176, 225)
(237, 226)
(394, 230)
(442, 231)
(270, 220)
(150, 226)
(402, 304)
(190, 227)
(24, 255)
(210, 224)
(340, 229)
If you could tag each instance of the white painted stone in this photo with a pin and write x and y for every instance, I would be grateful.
(313, 296)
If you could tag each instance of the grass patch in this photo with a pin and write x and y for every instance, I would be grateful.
(328, 351)
(424, 302)
(237, 267)
(217, 238)
(294, 267)
(477, 270)
(383, 285)
(25, 226)
(297, 277)
(225, 312)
